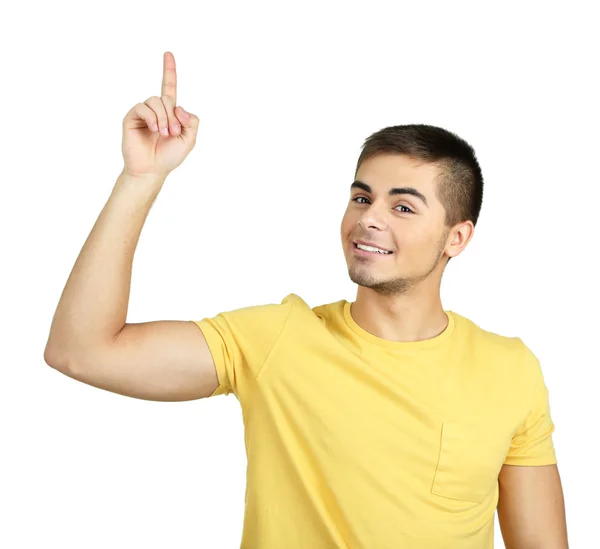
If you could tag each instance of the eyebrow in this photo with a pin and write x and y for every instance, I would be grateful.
(393, 191)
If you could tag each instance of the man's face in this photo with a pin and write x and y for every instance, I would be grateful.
(414, 232)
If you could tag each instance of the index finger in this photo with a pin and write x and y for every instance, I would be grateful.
(169, 81)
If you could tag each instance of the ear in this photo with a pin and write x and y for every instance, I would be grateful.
(461, 236)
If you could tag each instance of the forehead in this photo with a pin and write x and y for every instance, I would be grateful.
(384, 171)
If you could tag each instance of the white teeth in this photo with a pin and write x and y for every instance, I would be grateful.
(371, 249)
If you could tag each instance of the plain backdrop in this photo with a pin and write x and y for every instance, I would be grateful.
(286, 93)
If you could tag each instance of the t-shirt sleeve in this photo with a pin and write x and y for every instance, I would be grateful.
(241, 340)
(532, 442)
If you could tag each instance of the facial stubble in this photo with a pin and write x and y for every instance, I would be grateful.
(362, 269)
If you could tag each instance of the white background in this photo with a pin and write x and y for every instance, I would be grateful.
(286, 93)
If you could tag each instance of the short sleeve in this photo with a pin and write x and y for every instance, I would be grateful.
(532, 442)
(241, 340)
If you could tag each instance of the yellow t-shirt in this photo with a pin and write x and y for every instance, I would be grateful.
(357, 442)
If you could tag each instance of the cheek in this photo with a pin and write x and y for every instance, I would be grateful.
(416, 245)
(347, 224)
(411, 239)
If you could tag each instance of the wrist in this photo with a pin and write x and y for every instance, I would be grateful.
(136, 186)
(144, 178)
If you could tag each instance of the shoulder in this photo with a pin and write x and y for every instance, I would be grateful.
(480, 336)
(292, 305)
(264, 312)
(510, 349)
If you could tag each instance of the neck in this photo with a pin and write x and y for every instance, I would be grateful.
(399, 318)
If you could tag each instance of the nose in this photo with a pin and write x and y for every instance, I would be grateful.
(370, 219)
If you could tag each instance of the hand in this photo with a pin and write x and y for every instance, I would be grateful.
(148, 152)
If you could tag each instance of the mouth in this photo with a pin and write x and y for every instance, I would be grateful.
(369, 251)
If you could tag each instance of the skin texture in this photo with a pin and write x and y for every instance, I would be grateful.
(398, 299)
(531, 508)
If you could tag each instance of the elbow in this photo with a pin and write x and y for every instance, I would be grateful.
(55, 358)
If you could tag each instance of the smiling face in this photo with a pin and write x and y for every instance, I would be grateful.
(393, 205)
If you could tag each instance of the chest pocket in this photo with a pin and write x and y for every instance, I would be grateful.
(469, 463)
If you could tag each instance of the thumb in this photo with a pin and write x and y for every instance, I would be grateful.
(187, 120)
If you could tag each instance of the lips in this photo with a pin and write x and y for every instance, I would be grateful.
(365, 243)
(358, 251)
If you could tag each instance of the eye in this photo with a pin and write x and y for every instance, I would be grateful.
(357, 198)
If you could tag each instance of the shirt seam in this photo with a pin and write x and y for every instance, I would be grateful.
(262, 366)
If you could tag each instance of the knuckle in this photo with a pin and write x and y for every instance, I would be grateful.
(167, 100)
(130, 113)
(155, 105)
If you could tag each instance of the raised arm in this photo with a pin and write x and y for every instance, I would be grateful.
(89, 338)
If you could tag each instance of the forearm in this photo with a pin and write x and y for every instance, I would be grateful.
(93, 306)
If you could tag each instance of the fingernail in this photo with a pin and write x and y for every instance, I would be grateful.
(165, 131)
(176, 129)
(185, 113)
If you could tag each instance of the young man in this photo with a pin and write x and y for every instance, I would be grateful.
(383, 423)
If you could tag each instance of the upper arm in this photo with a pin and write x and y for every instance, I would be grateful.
(532, 442)
(183, 360)
(531, 508)
(163, 360)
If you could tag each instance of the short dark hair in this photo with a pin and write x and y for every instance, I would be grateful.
(460, 182)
